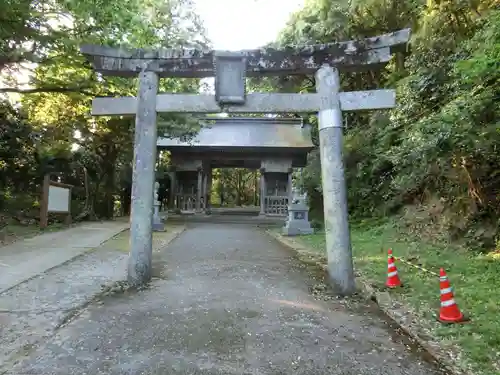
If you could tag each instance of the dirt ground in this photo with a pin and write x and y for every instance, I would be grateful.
(229, 300)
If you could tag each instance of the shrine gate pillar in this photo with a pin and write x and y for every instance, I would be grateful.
(262, 191)
(338, 244)
(173, 189)
(199, 189)
(143, 177)
(289, 187)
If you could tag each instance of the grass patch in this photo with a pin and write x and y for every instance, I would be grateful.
(474, 279)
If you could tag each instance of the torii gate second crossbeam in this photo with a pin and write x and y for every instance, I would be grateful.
(230, 70)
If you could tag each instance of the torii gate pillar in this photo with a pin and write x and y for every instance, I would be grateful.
(143, 178)
(338, 243)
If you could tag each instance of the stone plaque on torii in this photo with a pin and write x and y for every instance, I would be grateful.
(230, 70)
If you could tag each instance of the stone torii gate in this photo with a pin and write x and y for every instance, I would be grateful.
(230, 70)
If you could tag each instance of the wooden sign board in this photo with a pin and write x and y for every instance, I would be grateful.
(56, 198)
(276, 165)
(187, 165)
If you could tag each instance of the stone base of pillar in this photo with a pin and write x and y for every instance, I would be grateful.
(159, 227)
(297, 228)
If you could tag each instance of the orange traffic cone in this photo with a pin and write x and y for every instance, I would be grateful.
(449, 312)
(392, 272)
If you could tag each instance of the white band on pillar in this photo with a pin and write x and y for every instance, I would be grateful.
(329, 118)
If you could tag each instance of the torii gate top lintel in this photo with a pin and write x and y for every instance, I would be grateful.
(199, 63)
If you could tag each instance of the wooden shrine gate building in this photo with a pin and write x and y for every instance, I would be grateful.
(273, 145)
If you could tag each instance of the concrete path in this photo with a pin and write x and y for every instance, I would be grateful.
(231, 301)
(27, 258)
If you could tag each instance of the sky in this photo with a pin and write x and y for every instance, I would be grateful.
(245, 24)
(248, 24)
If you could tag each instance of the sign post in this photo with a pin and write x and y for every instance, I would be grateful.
(56, 198)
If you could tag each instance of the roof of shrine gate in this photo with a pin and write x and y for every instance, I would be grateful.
(247, 135)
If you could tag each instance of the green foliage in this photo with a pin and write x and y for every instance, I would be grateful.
(17, 154)
(235, 187)
(441, 142)
(52, 129)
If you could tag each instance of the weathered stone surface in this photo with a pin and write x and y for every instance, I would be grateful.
(255, 103)
(298, 220)
(266, 61)
(230, 78)
(338, 243)
(139, 267)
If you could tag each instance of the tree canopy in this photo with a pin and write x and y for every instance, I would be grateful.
(437, 152)
(48, 127)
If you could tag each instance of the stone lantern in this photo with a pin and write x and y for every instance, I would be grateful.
(298, 216)
(158, 225)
